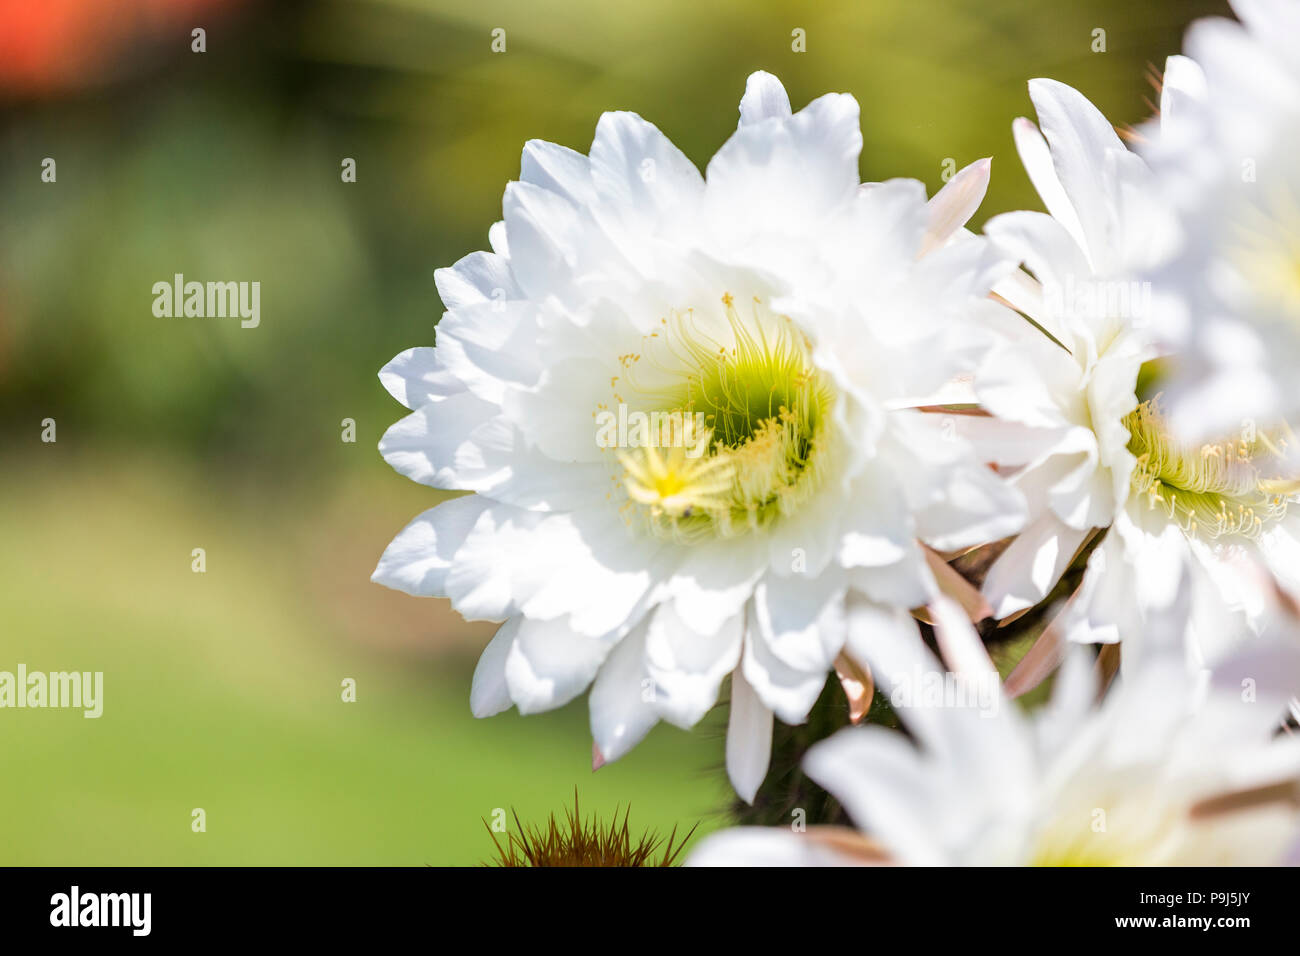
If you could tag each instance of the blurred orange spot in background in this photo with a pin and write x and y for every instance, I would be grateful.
(51, 45)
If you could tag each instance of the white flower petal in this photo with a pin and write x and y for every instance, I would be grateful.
(714, 581)
(765, 98)
(503, 560)
(489, 693)
(788, 691)
(1182, 90)
(622, 712)
(416, 377)
(906, 584)
(646, 185)
(434, 444)
(1048, 251)
(548, 664)
(875, 528)
(749, 739)
(546, 233)
(1080, 137)
(1000, 441)
(477, 279)
(1037, 160)
(880, 780)
(788, 173)
(977, 507)
(585, 566)
(953, 205)
(871, 624)
(420, 557)
(961, 648)
(600, 574)
(558, 415)
(802, 620)
(558, 169)
(688, 666)
(1032, 564)
(490, 346)
(1037, 384)
(497, 239)
(1105, 608)
(464, 443)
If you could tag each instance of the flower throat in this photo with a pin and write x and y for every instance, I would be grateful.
(1212, 490)
(765, 407)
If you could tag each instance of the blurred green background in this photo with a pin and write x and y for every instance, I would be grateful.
(222, 689)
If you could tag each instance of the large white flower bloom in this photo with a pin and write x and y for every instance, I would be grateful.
(1089, 457)
(1230, 168)
(798, 313)
(1171, 769)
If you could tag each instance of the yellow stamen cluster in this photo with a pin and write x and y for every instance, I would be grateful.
(765, 410)
(1212, 490)
(674, 484)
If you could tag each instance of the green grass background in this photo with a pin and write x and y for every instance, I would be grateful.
(222, 690)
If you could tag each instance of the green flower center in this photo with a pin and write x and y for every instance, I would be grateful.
(763, 412)
(1212, 490)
